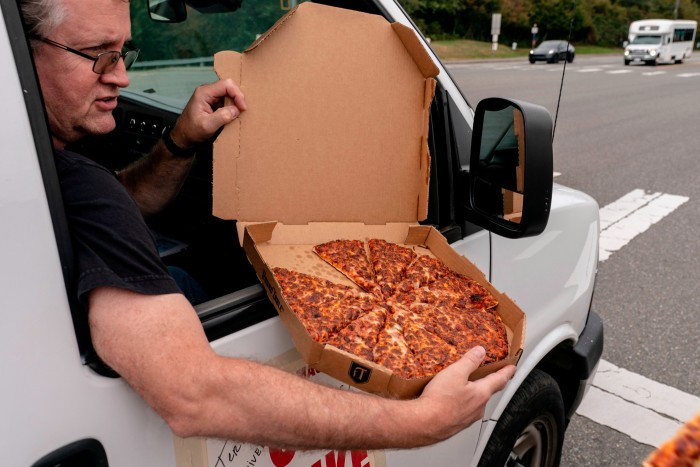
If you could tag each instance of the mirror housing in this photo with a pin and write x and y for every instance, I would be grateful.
(175, 11)
(167, 11)
(511, 168)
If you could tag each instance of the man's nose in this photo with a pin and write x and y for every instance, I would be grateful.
(117, 75)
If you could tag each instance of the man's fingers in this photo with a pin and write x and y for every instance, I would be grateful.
(498, 379)
(235, 93)
(470, 361)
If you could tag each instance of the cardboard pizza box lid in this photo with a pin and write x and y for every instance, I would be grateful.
(337, 122)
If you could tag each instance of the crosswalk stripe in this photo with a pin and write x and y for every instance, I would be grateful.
(645, 410)
(631, 215)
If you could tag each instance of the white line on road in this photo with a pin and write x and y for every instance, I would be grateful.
(646, 411)
(589, 70)
(687, 75)
(653, 73)
(618, 72)
(631, 215)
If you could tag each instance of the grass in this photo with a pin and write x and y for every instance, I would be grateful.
(469, 50)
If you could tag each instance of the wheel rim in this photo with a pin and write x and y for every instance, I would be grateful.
(535, 445)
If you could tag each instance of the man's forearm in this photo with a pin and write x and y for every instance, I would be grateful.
(266, 406)
(158, 345)
(156, 179)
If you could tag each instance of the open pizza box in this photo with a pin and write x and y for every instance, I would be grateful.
(334, 146)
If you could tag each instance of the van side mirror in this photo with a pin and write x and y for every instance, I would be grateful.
(510, 172)
(167, 11)
(175, 11)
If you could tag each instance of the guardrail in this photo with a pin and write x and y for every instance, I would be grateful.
(200, 61)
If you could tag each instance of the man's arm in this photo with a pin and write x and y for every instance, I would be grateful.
(157, 344)
(156, 179)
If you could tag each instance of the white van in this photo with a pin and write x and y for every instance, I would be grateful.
(655, 41)
(61, 406)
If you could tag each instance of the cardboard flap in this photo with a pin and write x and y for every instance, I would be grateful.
(228, 64)
(336, 127)
(415, 48)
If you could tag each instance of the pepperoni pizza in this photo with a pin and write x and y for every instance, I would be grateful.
(410, 314)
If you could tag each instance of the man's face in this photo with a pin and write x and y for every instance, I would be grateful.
(78, 101)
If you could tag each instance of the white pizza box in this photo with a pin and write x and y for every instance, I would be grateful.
(334, 146)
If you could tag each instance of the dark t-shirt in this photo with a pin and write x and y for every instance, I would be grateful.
(112, 244)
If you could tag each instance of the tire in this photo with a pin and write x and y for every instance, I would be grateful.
(530, 432)
(532, 60)
(627, 62)
(570, 57)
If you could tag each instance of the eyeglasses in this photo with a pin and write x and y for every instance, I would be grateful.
(105, 61)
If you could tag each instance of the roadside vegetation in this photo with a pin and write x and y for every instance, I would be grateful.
(603, 23)
(464, 49)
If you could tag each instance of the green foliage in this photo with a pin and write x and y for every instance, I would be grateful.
(601, 22)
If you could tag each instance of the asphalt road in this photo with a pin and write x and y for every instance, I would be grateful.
(621, 128)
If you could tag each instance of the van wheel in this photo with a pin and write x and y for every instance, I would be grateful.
(530, 432)
(627, 62)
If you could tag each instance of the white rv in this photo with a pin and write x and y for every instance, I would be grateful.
(655, 41)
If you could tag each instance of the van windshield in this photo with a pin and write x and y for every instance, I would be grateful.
(646, 40)
(176, 58)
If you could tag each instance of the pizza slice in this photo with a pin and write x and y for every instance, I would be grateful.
(423, 271)
(389, 261)
(392, 352)
(299, 287)
(487, 330)
(465, 329)
(431, 351)
(360, 336)
(467, 292)
(321, 319)
(452, 290)
(681, 450)
(350, 258)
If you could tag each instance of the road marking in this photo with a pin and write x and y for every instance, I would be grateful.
(631, 215)
(618, 72)
(647, 411)
(589, 70)
(687, 75)
(653, 73)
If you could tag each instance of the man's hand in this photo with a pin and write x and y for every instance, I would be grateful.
(458, 402)
(207, 111)
(155, 180)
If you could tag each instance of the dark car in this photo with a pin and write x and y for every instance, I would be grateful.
(552, 52)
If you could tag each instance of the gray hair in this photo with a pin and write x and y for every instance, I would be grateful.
(42, 17)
